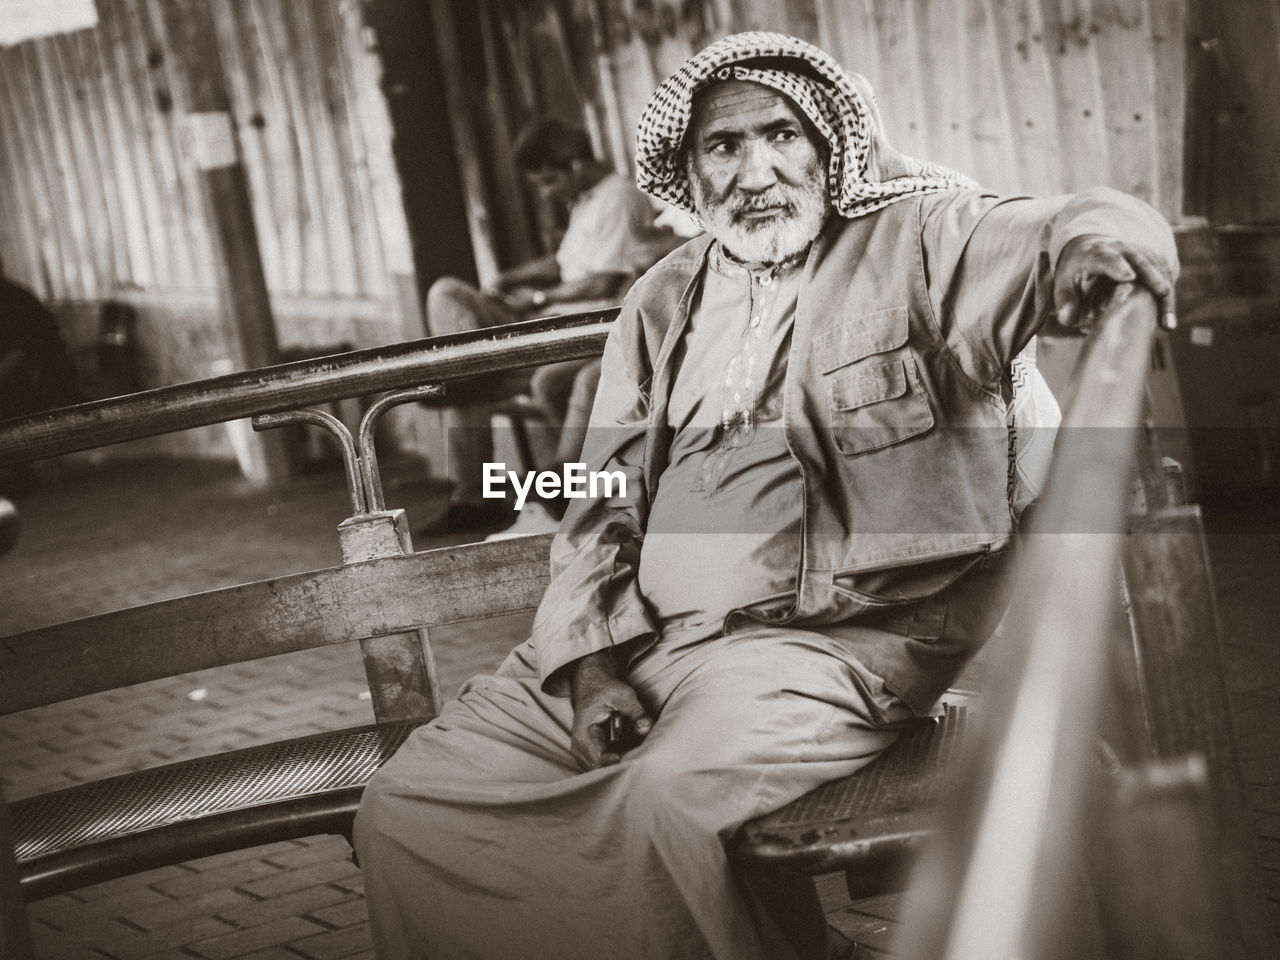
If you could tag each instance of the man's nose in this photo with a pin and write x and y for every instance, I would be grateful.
(757, 171)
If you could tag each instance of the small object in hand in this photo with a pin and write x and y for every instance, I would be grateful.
(617, 732)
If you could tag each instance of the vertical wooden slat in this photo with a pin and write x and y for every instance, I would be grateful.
(46, 265)
(50, 114)
(250, 117)
(295, 142)
(1019, 42)
(19, 244)
(375, 134)
(368, 272)
(1081, 123)
(312, 114)
(60, 254)
(185, 207)
(152, 89)
(1168, 34)
(847, 29)
(273, 135)
(1121, 43)
(942, 60)
(991, 134)
(903, 95)
(128, 80)
(93, 169)
(273, 21)
(131, 232)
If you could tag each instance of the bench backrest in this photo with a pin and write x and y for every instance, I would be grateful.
(385, 597)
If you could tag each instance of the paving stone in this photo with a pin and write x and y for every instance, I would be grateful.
(111, 888)
(335, 944)
(178, 935)
(343, 914)
(271, 953)
(264, 852)
(354, 883)
(218, 901)
(66, 910)
(327, 848)
(92, 930)
(238, 874)
(295, 904)
(286, 881)
(240, 942)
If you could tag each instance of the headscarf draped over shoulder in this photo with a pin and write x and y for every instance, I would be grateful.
(864, 173)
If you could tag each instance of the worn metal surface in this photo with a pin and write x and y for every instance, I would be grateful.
(93, 831)
(874, 819)
(1003, 878)
(1185, 702)
(291, 385)
(375, 598)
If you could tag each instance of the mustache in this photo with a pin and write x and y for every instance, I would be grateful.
(778, 198)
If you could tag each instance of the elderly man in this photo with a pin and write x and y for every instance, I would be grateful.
(809, 404)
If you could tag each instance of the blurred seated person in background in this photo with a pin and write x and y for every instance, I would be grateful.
(610, 239)
(35, 369)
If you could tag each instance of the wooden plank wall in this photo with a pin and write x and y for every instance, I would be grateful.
(98, 194)
(1024, 95)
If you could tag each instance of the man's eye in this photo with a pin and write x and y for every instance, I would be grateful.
(784, 136)
(721, 149)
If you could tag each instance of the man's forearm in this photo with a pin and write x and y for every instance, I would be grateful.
(542, 272)
(593, 287)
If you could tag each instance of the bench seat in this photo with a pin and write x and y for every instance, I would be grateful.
(869, 824)
(277, 791)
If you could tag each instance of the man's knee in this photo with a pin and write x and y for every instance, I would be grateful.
(451, 307)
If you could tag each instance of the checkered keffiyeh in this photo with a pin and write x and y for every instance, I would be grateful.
(864, 172)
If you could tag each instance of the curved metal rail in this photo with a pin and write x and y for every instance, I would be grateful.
(289, 386)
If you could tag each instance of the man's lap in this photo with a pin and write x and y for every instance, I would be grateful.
(785, 709)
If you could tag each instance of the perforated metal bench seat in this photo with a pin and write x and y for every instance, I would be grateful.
(109, 828)
(868, 824)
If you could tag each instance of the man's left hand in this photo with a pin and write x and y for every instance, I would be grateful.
(523, 299)
(1090, 266)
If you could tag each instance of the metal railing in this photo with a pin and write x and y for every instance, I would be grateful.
(289, 386)
(1027, 824)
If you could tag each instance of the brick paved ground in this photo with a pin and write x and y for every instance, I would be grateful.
(135, 533)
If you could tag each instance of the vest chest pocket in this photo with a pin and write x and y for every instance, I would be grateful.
(874, 394)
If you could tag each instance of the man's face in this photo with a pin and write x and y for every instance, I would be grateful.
(757, 176)
(554, 183)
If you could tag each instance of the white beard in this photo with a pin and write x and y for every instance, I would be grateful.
(770, 240)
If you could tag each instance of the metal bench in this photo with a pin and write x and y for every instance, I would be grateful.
(869, 825)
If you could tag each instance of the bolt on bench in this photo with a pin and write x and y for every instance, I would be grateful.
(390, 598)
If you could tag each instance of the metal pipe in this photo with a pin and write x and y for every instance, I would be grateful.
(289, 386)
(370, 472)
(338, 429)
(997, 880)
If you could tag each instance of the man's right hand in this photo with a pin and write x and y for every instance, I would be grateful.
(596, 691)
